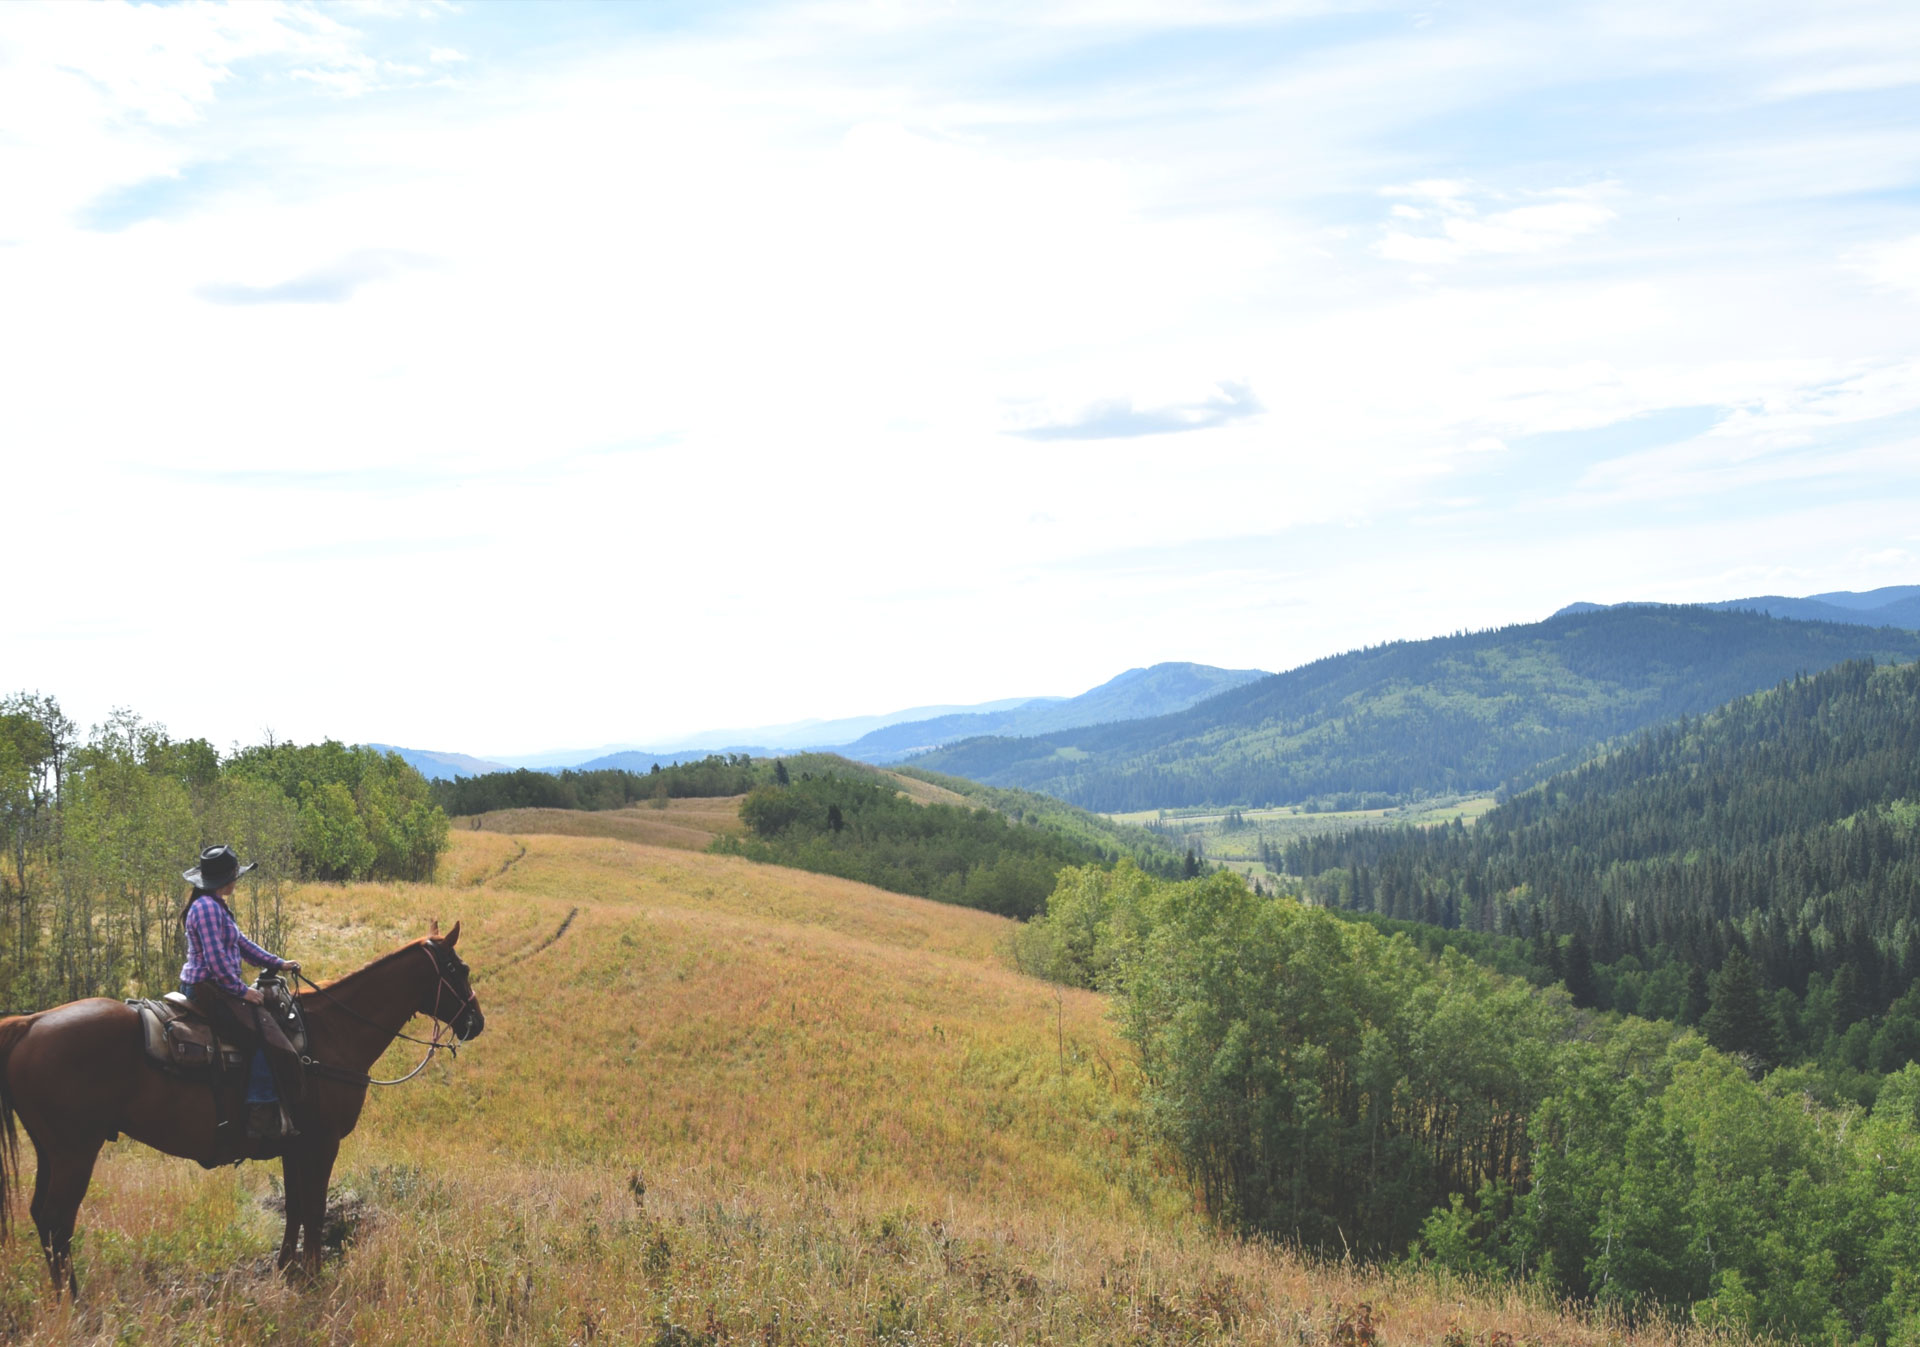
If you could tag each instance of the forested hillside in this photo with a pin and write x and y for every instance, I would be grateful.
(1891, 606)
(1781, 831)
(1451, 715)
(866, 830)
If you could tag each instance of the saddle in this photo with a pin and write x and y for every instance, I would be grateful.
(180, 1040)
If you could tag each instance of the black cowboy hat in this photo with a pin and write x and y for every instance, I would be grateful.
(219, 866)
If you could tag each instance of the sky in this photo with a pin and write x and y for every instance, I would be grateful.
(499, 378)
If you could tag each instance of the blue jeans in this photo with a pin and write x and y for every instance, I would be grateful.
(259, 1076)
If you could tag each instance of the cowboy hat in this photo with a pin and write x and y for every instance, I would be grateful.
(219, 866)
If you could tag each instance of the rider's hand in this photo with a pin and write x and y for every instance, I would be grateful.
(253, 997)
(290, 966)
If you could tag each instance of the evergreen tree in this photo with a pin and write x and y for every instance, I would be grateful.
(1737, 1021)
(1848, 1001)
(1697, 1002)
(1579, 974)
(780, 771)
(1190, 868)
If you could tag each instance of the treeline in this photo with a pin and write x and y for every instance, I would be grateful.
(1784, 828)
(1324, 1081)
(1454, 715)
(715, 775)
(97, 829)
(863, 829)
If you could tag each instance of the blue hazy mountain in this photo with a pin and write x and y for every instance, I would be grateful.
(1133, 695)
(436, 766)
(1891, 606)
(758, 740)
(878, 738)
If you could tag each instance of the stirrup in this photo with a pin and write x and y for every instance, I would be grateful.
(270, 1121)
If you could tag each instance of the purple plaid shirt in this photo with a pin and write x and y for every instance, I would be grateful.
(215, 947)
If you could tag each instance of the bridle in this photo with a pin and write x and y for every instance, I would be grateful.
(433, 1044)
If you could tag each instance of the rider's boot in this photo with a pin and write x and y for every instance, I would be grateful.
(289, 1082)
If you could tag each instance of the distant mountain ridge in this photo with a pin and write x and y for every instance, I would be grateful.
(1138, 693)
(1447, 715)
(1151, 691)
(1890, 606)
(437, 766)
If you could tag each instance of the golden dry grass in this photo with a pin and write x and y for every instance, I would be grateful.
(690, 825)
(731, 1103)
(925, 792)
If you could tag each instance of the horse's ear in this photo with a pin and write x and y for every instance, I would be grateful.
(453, 936)
(433, 928)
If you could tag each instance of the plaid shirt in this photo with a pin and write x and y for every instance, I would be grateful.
(215, 947)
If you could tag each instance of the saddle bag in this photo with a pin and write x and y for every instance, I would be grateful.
(178, 1036)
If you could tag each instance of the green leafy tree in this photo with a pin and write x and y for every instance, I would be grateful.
(36, 740)
(124, 833)
(332, 840)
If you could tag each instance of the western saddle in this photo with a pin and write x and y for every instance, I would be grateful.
(180, 1040)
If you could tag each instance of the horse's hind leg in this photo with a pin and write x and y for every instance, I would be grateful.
(60, 1181)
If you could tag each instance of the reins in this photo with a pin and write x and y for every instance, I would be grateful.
(432, 1045)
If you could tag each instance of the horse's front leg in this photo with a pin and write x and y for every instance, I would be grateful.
(316, 1172)
(292, 1166)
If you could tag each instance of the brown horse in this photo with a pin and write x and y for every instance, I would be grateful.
(78, 1077)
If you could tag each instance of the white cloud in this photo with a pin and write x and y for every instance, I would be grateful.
(1462, 231)
(1895, 265)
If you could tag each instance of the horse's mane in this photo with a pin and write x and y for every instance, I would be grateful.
(368, 967)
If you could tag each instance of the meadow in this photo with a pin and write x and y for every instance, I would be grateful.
(719, 1101)
(1247, 840)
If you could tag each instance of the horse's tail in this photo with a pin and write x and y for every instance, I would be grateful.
(12, 1029)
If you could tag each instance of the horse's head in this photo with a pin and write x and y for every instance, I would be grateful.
(451, 999)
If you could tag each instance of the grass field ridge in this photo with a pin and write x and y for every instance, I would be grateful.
(734, 1103)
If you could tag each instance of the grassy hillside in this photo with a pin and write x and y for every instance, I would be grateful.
(1455, 715)
(688, 825)
(731, 1103)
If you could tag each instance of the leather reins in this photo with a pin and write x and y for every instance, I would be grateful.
(434, 1044)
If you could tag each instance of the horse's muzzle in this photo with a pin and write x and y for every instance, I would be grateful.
(469, 1025)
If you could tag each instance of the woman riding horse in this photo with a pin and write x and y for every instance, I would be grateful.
(78, 1076)
(211, 979)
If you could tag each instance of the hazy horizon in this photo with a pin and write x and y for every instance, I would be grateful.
(515, 376)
